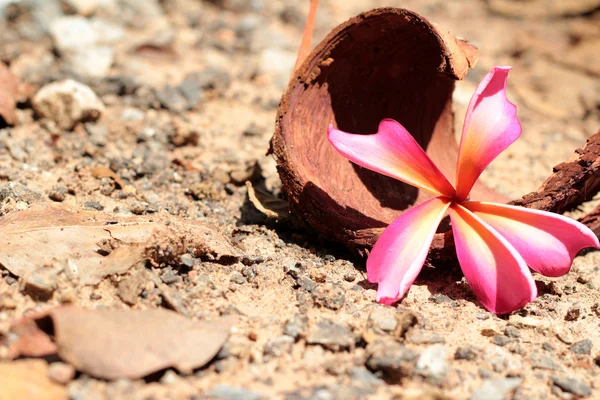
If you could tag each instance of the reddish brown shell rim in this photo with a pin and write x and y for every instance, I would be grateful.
(388, 63)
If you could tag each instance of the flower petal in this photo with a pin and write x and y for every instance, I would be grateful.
(548, 242)
(496, 272)
(400, 251)
(393, 152)
(491, 125)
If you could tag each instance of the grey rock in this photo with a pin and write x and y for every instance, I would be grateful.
(92, 61)
(72, 32)
(131, 287)
(42, 282)
(192, 93)
(67, 103)
(572, 385)
(296, 326)
(225, 392)
(279, 345)
(433, 364)
(391, 358)
(174, 300)
(512, 332)
(188, 260)
(172, 99)
(582, 347)
(440, 298)
(466, 353)
(496, 389)
(249, 272)
(364, 376)
(133, 114)
(238, 278)
(331, 335)
(383, 319)
(94, 205)
(543, 361)
(85, 45)
(169, 276)
(58, 192)
(98, 133)
(330, 296)
(420, 336)
(501, 340)
(210, 79)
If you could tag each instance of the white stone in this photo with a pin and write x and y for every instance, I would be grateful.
(67, 103)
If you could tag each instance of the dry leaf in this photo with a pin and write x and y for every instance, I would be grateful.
(268, 204)
(46, 234)
(105, 172)
(28, 379)
(12, 91)
(114, 344)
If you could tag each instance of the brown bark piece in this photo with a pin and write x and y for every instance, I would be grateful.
(389, 63)
(385, 63)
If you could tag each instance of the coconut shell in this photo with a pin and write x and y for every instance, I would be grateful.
(387, 63)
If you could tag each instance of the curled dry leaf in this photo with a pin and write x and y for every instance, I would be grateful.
(267, 204)
(115, 344)
(93, 245)
(28, 379)
(12, 91)
(105, 172)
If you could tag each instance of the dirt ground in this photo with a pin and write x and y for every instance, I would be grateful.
(190, 90)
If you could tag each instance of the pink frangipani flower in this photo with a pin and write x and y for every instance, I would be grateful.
(496, 244)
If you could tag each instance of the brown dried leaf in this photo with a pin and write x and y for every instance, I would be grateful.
(28, 379)
(105, 172)
(46, 234)
(114, 344)
(12, 91)
(268, 204)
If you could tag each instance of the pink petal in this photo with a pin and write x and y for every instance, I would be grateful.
(548, 242)
(491, 125)
(393, 152)
(399, 254)
(496, 272)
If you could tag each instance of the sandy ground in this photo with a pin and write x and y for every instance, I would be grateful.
(308, 326)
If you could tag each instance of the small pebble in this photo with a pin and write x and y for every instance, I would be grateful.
(238, 278)
(58, 193)
(572, 385)
(296, 326)
(501, 340)
(582, 347)
(466, 353)
(440, 298)
(61, 372)
(94, 205)
(573, 314)
(278, 346)
(432, 364)
(334, 336)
